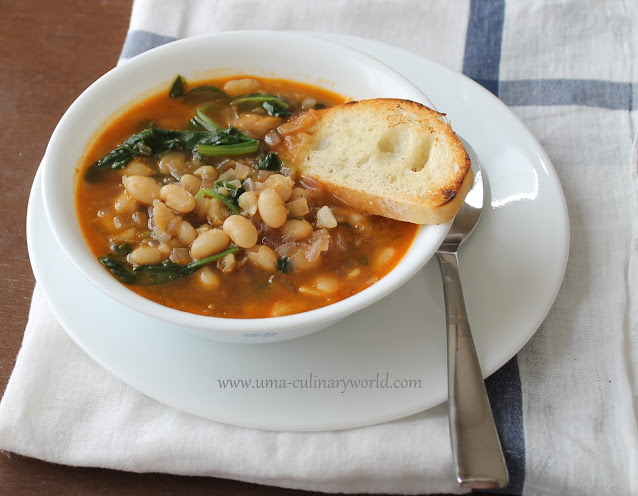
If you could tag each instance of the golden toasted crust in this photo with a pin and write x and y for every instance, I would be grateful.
(389, 157)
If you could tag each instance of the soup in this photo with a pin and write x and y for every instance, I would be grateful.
(185, 200)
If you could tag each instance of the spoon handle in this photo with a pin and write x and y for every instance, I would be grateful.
(475, 444)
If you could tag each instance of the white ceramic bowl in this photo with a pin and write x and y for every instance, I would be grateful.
(292, 56)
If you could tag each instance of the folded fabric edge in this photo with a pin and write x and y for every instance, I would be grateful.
(138, 42)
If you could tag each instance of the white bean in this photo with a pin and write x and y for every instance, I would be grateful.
(271, 208)
(209, 278)
(262, 257)
(242, 171)
(227, 263)
(300, 193)
(164, 219)
(358, 220)
(201, 206)
(186, 233)
(216, 212)
(125, 204)
(322, 285)
(190, 183)
(143, 189)
(356, 272)
(207, 172)
(165, 248)
(124, 236)
(209, 243)
(146, 255)
(382, 258)
(173, 163)
(247, 201)
(236, 87)
(296, 229)
(281, 184)
(301, 263)
(242, 232)
(282, 308)
(177, 198)
(256, 124)
(137, 168)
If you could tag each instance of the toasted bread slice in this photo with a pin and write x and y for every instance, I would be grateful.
(389, 157)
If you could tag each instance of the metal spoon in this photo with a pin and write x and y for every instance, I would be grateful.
(475, 444)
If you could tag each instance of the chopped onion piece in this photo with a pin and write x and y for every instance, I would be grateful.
(286, 249)
(272, 138)
(301, 122)
(319, 242)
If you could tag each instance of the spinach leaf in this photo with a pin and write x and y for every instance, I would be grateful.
(224, 191)
(228, 189)
(155, 141)
(229, 141)
(205, 93)
(271, 103)
(284, 265)
(276, 109)
(204, 121)
(201, 93)
(177, 88)
(122, 250)
(269, 162)
(243, 148)
(146, 275)
(195, 125)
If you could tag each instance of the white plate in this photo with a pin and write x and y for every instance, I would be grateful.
(512, 268)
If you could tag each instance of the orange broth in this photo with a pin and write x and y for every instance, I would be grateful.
(354, 254)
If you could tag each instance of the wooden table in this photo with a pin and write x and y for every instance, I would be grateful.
(50, 51)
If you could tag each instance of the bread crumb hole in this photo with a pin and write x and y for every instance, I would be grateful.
(392, 141)
(362, 160)
(422, 153)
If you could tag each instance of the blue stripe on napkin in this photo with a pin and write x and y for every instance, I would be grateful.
(137, 42)
(506, 399)
(481, 62)
(589, 93)
(482, 58)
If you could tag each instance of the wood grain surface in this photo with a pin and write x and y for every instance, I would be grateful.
(50, 51)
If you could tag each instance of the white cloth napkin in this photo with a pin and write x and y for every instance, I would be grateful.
(566, 405)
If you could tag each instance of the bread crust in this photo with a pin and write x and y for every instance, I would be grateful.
(389, 157)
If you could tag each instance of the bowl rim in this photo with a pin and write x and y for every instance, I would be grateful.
(426, 242)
